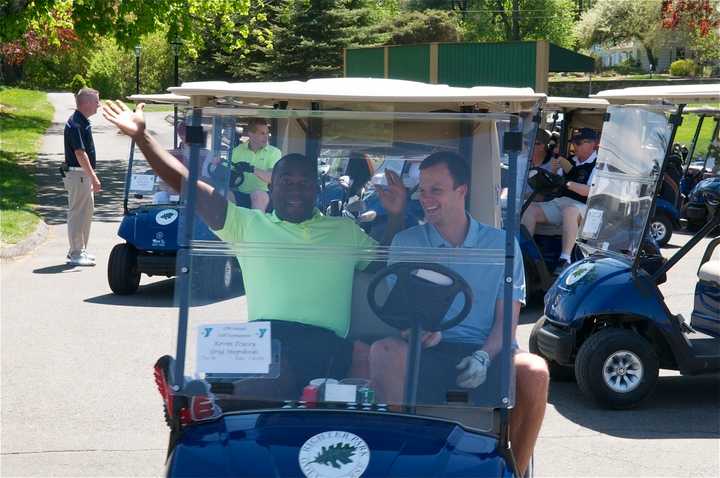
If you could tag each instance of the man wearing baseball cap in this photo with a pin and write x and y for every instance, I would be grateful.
(568, 209)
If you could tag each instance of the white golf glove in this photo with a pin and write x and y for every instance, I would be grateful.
(474, 369)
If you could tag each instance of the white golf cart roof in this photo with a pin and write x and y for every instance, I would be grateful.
(670, 94)
(353, 90)
(565, 103)
(161, 98)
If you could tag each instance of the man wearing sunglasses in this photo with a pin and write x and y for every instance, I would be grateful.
(568, 209)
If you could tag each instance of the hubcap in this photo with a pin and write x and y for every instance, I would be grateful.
(227, 274)
(658, 230)
(623, 371)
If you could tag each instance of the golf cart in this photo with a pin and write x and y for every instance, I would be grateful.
(152, 214)
(231, 400)
(700, 174)
(605, 315)
(541, 252)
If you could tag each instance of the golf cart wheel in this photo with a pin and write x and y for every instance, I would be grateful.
(123, 274)
(558, 373)
(661, 229)
(223, 277)
(617, 368)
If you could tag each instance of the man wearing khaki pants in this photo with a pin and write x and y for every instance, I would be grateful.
(79, 177)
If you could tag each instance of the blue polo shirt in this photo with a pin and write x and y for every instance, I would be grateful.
(483, 269)
(78, 135)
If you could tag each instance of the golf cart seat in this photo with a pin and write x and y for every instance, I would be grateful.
(364, 324)
(710, 271)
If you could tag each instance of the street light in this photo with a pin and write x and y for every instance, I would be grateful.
(176, 50)
(138, 48)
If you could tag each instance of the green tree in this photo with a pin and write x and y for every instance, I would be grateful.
(410, 27)
(310, 36)
(126, 21)
(508, 20)
(610, 22)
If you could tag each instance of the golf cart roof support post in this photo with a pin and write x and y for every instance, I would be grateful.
(675, 121)
(466, 143)
(712, 224)
(282, 105)
(696, 135)
(555, 117)
(716, 129)
(128, 176)
(184, 257)
(512, 144)
(314, 133)
(565, 133)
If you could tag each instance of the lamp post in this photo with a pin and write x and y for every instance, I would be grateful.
(138, 48)
(176, 81)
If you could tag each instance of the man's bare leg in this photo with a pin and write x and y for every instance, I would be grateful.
(571, 224)
(259, 200)
(533, 215)
(532, 381)
(388, 358)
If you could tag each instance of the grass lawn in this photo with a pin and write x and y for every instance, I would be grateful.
(24, 117)
(686, 131)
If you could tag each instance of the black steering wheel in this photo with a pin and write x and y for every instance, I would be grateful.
(545, 182)
(237, 175)
(421, 296)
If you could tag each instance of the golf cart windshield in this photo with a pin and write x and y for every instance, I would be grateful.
(318, 299)
(630, 160)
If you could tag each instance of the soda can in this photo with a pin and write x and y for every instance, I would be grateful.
(366, 395)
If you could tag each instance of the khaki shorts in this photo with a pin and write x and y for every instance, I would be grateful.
(553, 210)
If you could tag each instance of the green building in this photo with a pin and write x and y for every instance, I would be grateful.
(517, 64)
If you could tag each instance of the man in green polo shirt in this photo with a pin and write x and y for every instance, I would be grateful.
(257, 159)
(297, 264)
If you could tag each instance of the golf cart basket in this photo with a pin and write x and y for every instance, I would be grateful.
(275, 382)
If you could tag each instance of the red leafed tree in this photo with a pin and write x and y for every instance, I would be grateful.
(698, 16)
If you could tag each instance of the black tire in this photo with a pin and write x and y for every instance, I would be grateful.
(602, 365)
(122, 272)
(222, 277)
(661, 229)
(558, 373)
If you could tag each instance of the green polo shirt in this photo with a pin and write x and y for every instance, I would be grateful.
(264, 158)
(298, 272)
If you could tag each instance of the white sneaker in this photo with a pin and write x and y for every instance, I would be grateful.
(89, 256)
(82, 260)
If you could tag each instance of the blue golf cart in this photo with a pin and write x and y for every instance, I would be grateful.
(700, 173)
(237, 404)
(605, 318)
(152, 217)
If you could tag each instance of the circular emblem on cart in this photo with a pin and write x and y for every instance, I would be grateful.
(578, 273)
(334, 454)
(166, 216)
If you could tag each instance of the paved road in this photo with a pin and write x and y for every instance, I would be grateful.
(78, 398)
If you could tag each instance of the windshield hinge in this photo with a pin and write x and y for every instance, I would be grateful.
(606, 117)
(676, 119)
(194, 135)
(512, 141)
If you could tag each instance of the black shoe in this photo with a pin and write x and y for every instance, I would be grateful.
(562, 265)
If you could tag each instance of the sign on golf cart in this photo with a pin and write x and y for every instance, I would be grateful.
(333, 298)
(605, 317)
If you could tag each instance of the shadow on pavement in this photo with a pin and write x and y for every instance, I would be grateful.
(157, 294)
(52, 197)
(680, 407)
(531, 313)
(58, 269)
